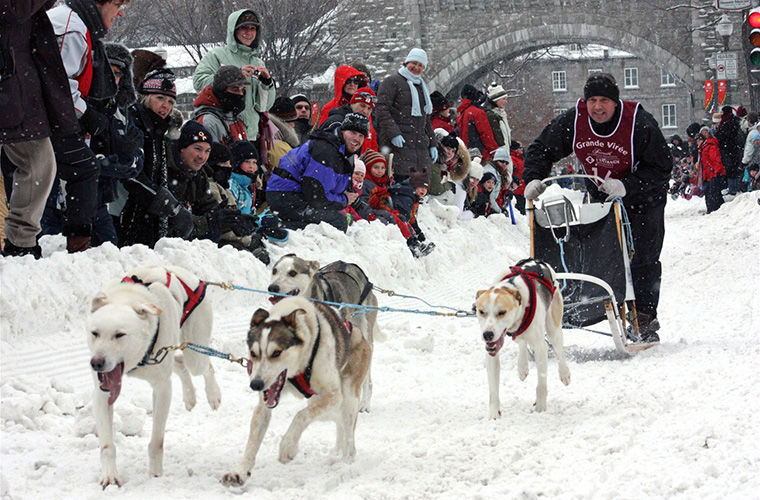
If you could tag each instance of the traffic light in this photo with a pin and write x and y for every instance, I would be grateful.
(753, 19)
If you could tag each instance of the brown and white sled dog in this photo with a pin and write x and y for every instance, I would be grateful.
(307, 349)
(525, 303)
(150, 308)
(336, 282)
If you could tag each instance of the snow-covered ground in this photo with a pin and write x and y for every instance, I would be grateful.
(677, 421)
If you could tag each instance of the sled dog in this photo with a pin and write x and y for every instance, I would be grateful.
(336, 282)
(523, 304)
(307, 349)
(152, 307)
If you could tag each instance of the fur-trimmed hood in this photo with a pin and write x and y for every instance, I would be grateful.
(461, 167)
(287, 133)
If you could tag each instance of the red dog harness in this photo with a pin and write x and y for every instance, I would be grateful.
(302, 381)
(194, 297)
(530, 279)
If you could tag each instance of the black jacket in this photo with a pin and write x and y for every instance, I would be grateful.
(646, 186)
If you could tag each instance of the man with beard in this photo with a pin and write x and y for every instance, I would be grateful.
(219, 105)
(311, 184)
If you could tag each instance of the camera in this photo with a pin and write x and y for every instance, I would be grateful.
(256, 73)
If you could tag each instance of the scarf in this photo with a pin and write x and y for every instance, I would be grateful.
(103, 87)
(413, 80)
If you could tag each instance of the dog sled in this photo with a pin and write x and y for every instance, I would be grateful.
(590, 247)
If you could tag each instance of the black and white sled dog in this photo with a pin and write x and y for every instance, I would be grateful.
(524, 304)
(150, 308)
(336, 282)
(307, 349)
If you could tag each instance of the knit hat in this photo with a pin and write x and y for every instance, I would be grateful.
(226, 76)
(192, 132)
(601, 84)
(284, 109)
(474, 153)
(693, 129)
(514, 145)
(356, 122)
(741, 111)
(219, 154)
(476, 169)
(247, 18)
(300, 98)
(439, 102)
(145, 61)
(488, 176)
(501, 154)
(450, 141)
(469, 92)
(370, 157)
(241, 151)
(417, 55)
(496, 92)
(359, 166)
(159, 81)
(365, 95)
(118, 55)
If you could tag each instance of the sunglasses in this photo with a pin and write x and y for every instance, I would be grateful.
(357, 80)
(303, 106)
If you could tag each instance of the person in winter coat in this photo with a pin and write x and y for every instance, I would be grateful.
(501, 169)
(713, 170)
(403, 116)
(36, 106)
(496, 111)
(362, 102)
(283, 120)
(303, 123)
(441, 117)
(472, 121)
(80, 26)
(482, 204)
(311, 183)
(600, 129)
(751, 154)
(151, 211)
(241, 50)
(454, 165)
(347, 81)
(677, 148)
(731, 140)
(219, 106)
(517, 186)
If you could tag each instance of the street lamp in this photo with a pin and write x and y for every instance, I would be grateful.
(724, 28)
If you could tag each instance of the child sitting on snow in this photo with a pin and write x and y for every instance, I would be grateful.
(482, 204)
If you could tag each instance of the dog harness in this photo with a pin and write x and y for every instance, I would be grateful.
(194, 297)
(302, 381)
(530, 278)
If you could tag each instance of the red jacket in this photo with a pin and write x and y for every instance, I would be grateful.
(709, 157)
(470, 114)
(438, 121)
(518, 165)
(342, 74)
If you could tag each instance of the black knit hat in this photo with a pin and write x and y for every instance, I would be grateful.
(118, 55)
(219, 154)
(439, 102)
(241, 151)
(450, 141)
(601, 84)
(356, 122)
(192, 132)
(284, 109)
(469, 92)
(159, 81)
(226, 76)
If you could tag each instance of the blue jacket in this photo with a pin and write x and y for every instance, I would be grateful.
(239, 187)
(319, 169)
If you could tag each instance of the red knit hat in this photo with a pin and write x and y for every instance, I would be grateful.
(365, 95)
(370, 158)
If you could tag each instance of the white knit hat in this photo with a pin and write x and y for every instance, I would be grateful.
(496, 92)
(476, 169)
(359, 165)
(417, 55)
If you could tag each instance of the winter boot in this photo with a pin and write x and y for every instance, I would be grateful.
(269, 226)
(648, 328)
(419, 249)
(11, 250)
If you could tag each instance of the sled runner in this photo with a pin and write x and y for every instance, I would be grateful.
(590, 248)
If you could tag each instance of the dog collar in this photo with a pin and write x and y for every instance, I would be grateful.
(530, 279)
(146, 360)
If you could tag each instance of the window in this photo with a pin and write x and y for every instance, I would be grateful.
(559, 81)
(668, 116)
(666, 79)
(631, 78)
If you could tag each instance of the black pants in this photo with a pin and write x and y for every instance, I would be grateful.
(79, 168)
(713, 195)
(295, 213)
(648, 229)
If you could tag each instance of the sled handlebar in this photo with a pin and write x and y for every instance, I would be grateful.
(573, 176)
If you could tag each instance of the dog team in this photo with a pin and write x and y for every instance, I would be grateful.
(300, 345)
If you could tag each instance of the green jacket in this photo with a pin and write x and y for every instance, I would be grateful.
(259, 97)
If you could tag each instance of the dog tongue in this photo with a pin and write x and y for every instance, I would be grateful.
(111, 382)
(493, 348)
(272, 394)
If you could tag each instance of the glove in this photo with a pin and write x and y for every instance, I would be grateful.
(398, 141)
(127, 145)
(534, 189)
(434, 153)
(164, 204)
(613, 187)
(230, 219)
(181, 225)
(93, 122)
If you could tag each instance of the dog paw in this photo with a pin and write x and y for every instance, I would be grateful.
(188, 397)
(522, 372)
(108, 479)
(494, 414)
(540, 406)
(564, 376)
(234, 479)
(288, 451)
(213, 396)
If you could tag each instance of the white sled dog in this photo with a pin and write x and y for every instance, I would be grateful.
(336, 282)
(307, 349)
(152, 307)
(525, 303)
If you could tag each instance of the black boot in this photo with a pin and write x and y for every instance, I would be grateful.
(11, 250)
(648, 327)
(419, 249)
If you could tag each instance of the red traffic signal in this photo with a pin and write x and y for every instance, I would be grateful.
(754, 17)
